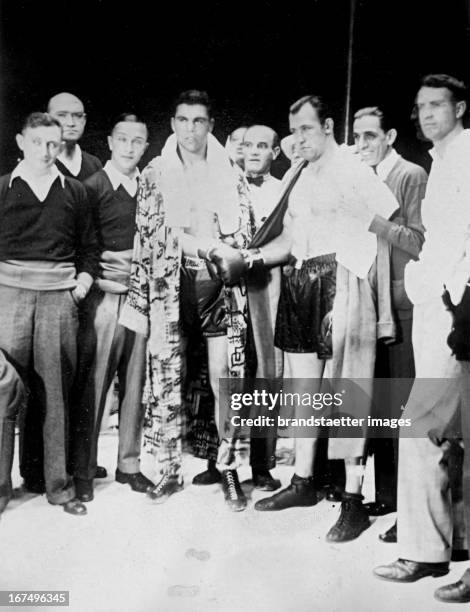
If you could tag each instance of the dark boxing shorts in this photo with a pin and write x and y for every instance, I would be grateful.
(202, 303)
(306, 298)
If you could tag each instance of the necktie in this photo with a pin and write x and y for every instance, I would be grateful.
(255, 180)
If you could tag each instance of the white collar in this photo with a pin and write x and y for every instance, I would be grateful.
(460, 140)
(384, 168)
(40, 186)
(73, 163)
(118, 178)
(22, 172)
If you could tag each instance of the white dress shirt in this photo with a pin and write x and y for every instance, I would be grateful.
(384, 168)
(264, 197)
(444, 259)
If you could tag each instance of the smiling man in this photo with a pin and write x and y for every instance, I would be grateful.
(48, 259)
(374, 137)
(106, 348)
(72, 160)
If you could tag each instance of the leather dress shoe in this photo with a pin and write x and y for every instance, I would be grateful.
(378, 508)
(138, 482)
(209, 477)
(300, 492)
(101, 472)
(352, 521)
(73, 506)
(263, 481)
(458, 592)
(390, 536)
(83, 489)
(404, 570)
(233, 493)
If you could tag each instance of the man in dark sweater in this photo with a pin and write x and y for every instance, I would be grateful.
(105, 347)
(375, 137)
(70, 113)
(72, 162)
(48, 259)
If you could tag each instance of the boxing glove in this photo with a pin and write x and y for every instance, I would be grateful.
(229, 262)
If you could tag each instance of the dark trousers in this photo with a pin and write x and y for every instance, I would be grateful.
(12, 395)
(38, 332)
(262, 450)
(393, 361)
(31, 446)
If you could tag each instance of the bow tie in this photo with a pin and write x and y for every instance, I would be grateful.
(255, 180)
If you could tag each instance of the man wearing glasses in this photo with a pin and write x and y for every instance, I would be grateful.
(70, 113)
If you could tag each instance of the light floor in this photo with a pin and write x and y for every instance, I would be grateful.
(193, 554)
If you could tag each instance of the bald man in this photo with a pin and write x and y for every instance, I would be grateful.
(70, 113)
(260, 149)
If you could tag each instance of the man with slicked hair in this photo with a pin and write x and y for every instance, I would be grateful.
(374, 137)
(105, 347)
(438, 404)
(72, 160)
(192, 200)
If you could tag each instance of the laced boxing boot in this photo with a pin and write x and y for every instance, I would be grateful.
(168, 485)
(233, 493)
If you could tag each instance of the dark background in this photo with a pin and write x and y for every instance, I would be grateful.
(254, 58)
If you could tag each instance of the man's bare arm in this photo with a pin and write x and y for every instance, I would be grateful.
(278, 250)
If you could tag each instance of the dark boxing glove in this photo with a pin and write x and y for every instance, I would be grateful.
(459, 337)
(229, 262)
